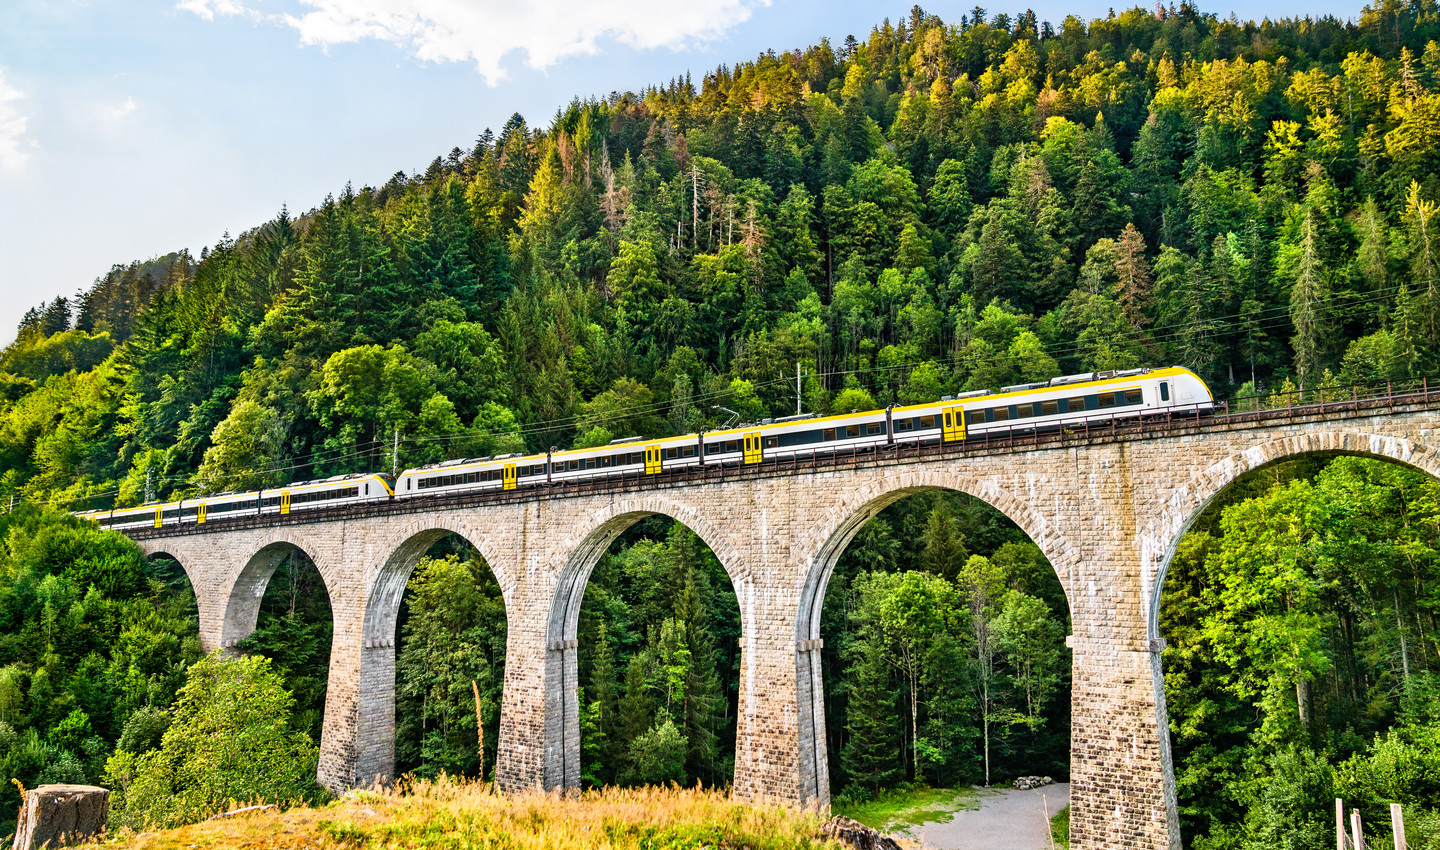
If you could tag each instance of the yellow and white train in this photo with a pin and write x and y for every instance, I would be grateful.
(1061, 403)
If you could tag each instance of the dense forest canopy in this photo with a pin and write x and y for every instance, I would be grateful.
(939, 207)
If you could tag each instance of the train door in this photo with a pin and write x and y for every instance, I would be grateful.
(754, 451)
(653, 462)
(285, 502)
(953, 421)
(159, 517)
(200, 514)
(509, 476)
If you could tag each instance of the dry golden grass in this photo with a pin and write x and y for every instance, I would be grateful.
(459, 815)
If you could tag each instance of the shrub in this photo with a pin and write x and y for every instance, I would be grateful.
(229, 740)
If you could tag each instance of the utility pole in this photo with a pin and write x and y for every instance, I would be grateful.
(694, 207)
(395, 454)
(797, 387)
(149, 492)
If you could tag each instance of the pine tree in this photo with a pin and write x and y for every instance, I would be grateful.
(1308, 296)
(605, 749)
(944, 545)
(872, 730)
(1136, 281)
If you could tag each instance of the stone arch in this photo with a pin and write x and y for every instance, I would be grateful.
(844, 518)
(244, 592)
(581, 551)
(583, 547)
(1185, 504)
(394, 558)
(402, 550)
(823, 544)
(154, 549)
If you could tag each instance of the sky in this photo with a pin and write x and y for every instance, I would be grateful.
(132, 128)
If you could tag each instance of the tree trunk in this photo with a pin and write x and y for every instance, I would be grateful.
(914, 724)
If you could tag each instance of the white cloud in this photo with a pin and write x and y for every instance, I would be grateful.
(12, 128)
(118, 112)
(208, 9)
(485, 31)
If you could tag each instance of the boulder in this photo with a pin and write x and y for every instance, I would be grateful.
(853, 833)
(61, 815)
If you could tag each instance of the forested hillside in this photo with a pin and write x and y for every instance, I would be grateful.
(940, 206)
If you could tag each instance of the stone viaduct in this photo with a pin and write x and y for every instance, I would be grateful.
(1107, 509)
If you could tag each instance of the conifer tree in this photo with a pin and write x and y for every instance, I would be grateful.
(872, 729)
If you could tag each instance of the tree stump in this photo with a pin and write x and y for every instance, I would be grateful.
(61, 815)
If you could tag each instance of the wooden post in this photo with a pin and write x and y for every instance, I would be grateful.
(479, 726)
(1397, 826)
(1357, 831)
(1339, 824)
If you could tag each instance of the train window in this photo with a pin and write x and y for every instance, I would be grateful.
(852, 431)
(732, 446)
(1132, 397)
(688, 451)
(772, 442)
(1024, 411)
(875, 428)
(1049, 408)
(975, 417)
(1075, 405)
(927, 422)
(904, 424)
(589, 463)
(670, 454)
(1107, 400)
(1000, 414)
(829, 433)
(1164, 391)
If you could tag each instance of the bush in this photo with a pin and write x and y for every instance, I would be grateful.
(658, 756)
(229, 740)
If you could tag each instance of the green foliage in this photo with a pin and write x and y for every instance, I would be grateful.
(660, 676)
(955, 661)
(229, 740)
(96, 642)
(452, 640)
(1301, 663)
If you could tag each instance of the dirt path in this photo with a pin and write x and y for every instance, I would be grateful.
(1006, 820)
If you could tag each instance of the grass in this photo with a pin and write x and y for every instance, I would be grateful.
(903, 808)
(459, 815)
(1060, 828)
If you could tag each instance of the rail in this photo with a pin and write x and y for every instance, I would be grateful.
(1017, 436)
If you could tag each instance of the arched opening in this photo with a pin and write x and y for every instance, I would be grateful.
(646, 657)
(449, 663)
(282, 598)
(942, 656)
(171, 587)
(1300, 613)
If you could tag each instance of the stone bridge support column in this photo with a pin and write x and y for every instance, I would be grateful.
(539, 713)
(775, 745)
(1122, 791)
(347, 699)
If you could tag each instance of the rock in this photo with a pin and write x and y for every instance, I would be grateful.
(1049, 781)
(61, 815)
(853, 833)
